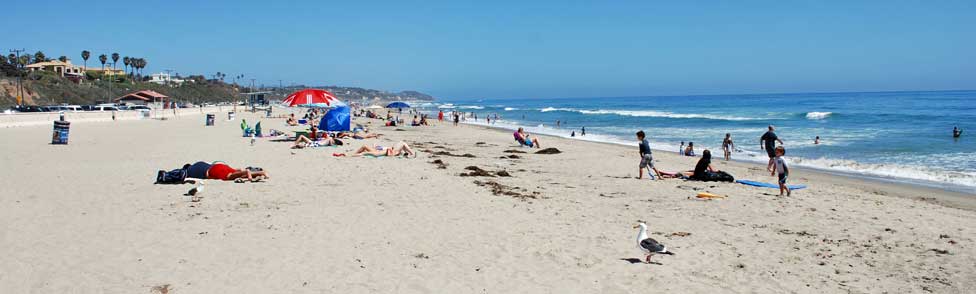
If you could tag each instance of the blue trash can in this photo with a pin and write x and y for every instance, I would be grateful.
(60, 135)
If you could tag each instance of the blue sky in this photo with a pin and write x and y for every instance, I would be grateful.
(498, 49)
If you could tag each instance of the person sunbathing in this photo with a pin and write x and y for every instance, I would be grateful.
(359, 135)
(303, 142)
(524, 139)
(400, 148)
(222, 171)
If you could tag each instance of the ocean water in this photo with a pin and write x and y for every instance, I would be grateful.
(900, 136)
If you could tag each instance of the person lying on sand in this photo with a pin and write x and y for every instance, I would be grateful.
(400, 148)
(222, 171)
(303, 142)
(359, 135)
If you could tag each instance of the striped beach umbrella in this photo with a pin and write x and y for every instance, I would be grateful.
(310, 97)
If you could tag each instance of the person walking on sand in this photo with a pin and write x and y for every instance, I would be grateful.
(583, 131)
(728, 146)
(646, 160)
(781, 170)
(768, 142)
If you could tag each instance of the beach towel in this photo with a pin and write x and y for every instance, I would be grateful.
(769, 185)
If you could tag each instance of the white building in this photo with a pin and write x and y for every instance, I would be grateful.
(164, 79)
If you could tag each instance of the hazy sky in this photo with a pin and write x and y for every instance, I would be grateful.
(498, 49)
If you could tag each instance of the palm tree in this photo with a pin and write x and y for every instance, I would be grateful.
(126, 60)
(103, 59)
(39, 57)
(84, 55)
(63, 58)
(115, 59)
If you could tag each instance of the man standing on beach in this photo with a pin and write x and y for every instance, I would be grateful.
(768, 142)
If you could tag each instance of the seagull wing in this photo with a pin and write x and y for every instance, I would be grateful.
(652, 245)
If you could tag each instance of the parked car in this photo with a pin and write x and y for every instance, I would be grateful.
(139, 107)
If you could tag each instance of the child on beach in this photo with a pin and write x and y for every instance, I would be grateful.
(728, 146)
(780, 168)
(647, 161)
(681, 150)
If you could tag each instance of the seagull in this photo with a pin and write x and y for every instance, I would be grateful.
(647, 245)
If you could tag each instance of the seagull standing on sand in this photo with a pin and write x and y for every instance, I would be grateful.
(647, 245)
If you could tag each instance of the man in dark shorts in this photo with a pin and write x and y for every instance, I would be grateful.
(768, 142)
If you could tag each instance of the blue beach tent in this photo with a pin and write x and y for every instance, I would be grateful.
(337, 119)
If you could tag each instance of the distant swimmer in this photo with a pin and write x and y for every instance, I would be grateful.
(956, 132)
(816, 141)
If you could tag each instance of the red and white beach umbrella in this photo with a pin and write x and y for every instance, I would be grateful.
(310, 96)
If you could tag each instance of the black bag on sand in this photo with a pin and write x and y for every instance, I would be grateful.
(719, 176)
(176, 176)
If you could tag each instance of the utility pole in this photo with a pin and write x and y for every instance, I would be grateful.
(111, 80)
(20, 83)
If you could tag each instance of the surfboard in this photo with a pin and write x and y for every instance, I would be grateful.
(768, 185)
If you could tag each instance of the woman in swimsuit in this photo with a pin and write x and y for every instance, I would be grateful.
(728, 146)
(303, 142)
(400, 148)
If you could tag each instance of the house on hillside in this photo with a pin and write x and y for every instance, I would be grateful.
(144, 97)
(62, 68)
(68, 70)
(164, 79)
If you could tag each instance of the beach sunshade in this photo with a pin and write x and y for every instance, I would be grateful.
(398, 104)
(310, 96)
(337, 119)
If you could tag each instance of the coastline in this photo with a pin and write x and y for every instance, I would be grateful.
(958, 196)
(86, 217)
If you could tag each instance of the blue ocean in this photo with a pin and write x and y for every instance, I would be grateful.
(896, 136)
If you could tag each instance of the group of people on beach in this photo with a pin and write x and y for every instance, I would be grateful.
(703, 169)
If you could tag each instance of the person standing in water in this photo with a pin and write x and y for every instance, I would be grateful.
(583, 131)
(816, 141)
(768, 142)
(728, 146)
(956, 132)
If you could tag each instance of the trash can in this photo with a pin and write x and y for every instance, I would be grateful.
(60, 132)
(210, 119)
(230, 115)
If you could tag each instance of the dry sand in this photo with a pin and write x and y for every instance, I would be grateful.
(87, 218)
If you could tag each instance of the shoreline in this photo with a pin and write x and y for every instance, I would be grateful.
(943, 196)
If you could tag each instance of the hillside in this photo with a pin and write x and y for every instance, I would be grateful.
(44, 88)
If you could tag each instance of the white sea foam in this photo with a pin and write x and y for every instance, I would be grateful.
(818, 114)
(653, 113)
(510, 108)
(548, 109)
(446, 106)
(471, 107)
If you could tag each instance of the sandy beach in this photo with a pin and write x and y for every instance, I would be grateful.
(87, 218)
